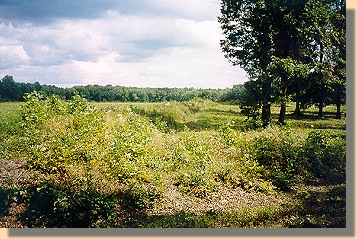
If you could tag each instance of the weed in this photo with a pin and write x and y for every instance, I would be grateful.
(105, 165)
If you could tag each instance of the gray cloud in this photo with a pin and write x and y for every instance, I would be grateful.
(44, 11)
(135, 43)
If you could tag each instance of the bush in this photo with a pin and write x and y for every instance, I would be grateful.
(279, 151)
(60, 133)
(242, 167)
(91, 155)
(272, 154)
(325, 153)
(194, 164)
(52, 206)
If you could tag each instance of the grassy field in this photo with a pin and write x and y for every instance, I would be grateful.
(169, 164)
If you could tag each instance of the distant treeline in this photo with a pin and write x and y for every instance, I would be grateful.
(10, 90)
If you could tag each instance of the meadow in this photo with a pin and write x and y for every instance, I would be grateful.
(171, 164)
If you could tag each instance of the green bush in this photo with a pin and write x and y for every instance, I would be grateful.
(325, 153)
(52, 206)
(272, 154)
(242, 167)
(59, 132)
(193, 160)
(279, 151)
(83, 150)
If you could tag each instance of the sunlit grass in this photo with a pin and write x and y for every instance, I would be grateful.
(166, 164)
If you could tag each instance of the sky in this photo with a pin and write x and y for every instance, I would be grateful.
(141, 43)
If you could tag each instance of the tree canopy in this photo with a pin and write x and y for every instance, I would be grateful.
(289, 48)
(10, 90)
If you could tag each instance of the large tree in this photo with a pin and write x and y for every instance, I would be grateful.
(248, 30)
(9, 90)
(259, 36)
(277, 42)
(324, 32)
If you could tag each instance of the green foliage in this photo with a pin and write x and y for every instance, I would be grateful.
(193, 158)
(242, 168)
(60, 132)
(297, 37)
(233, 95)
(250, 101)
(100, 163)
(325, 153)
(71, 144)
(50, 205)
(15, 91)
(281, 156)
(279, 151)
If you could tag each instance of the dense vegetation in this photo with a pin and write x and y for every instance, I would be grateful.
(191, 158)
(290, 50)
(246, 96)
(10, 90)
(191, 164)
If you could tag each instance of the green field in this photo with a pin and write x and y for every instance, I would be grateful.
(170, 164)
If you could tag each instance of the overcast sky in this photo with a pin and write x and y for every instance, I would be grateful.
(144, 43)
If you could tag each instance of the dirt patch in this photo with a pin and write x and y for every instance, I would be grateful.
(226, 199)
(305, 205)
(14, 177)
(14, 173)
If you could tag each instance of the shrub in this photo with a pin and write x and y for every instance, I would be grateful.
(194, 165)
(60, 132)
(325, 153)
(272, 154)
(242, 167)
(278, 150)
(89, 155)
(52, 206)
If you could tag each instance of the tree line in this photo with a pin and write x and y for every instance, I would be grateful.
(245, 94)
(291, 50)
(10, 90)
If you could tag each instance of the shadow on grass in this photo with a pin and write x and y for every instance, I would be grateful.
(51, 207)
(48, 206)
(321, 208)
(7, 197)
(318, 210)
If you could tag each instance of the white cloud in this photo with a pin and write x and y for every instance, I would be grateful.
(173, 50)
(197, 9)
(11, 56)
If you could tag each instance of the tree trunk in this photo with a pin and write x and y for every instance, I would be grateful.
(321, 61)
(338, 111)
(283, 103)
(297, 111)
(321, 105)
(266, 102)
(338, 102)
(282, 113)
(266, 114)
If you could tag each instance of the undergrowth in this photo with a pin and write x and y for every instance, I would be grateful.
(103, 165)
